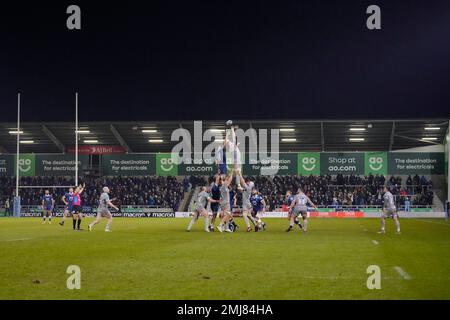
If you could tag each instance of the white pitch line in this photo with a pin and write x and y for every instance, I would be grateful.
(21, 239)
(375, 242)
(435, 222)
(402, 273)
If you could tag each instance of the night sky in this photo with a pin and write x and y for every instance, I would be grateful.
(183, 60)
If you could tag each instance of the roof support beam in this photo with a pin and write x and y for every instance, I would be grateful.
(391, 141)
(415, 139)
(55, 140)
(120, 139)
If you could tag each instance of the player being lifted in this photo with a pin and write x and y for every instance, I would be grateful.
(258, 208)
(67, 199)
(77, 213)
(233, 147)
(103, 211)
(389, 211)
(289, 198)
(247, 187)
(300, 207)
(202, 201)
(48, 204)
(225, 203)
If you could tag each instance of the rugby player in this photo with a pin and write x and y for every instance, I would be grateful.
(300, 207)
(103, 211)
(389, 211)
(48, 204)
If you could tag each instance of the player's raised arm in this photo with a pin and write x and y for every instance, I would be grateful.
(228, 179)
(63, 199)
(239, 174)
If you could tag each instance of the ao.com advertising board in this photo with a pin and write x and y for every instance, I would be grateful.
(41, 165)
(301, 163)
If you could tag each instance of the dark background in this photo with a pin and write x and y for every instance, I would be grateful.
(181, 60)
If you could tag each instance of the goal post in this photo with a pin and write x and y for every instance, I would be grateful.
(17, 199)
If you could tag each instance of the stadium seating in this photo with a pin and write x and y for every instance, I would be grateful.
(168, 191)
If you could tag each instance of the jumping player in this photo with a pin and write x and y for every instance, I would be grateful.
(67, 199)
(300, 207)
(389, 211)
(77, 213)
(103, 211)
(258, 208)
(225, 203)
(47, 206)
(233, 147)
(202, 201)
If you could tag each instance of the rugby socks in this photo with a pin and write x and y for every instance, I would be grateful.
(207, 223)
(79, 223)
(247, 223)
(305, 225)
(74, 224)
(191, 223)
(397, 224)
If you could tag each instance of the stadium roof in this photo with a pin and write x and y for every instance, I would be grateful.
(325, 135)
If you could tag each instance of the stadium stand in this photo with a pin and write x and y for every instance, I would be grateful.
(168, 192)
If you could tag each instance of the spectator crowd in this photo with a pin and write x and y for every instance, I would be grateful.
(340, 190)
(152, 191)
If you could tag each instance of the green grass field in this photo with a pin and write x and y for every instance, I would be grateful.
(157, 259)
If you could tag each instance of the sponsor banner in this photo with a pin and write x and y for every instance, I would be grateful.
(342, 163)
(144, 214)
(27, 165)
(129, 165)
(7, 165)
(338, 214)
(165, 166)
(375, 163)
(58, 165)
(200, 168)
(286, 164)
(97, 149)
(302, 163)
(416, 163)
(308, 163)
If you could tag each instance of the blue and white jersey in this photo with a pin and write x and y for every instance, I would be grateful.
(48, 201)
(257, 202)
(69, 199)
(290, 199)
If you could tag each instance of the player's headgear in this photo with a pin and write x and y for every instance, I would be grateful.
(105, 189)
